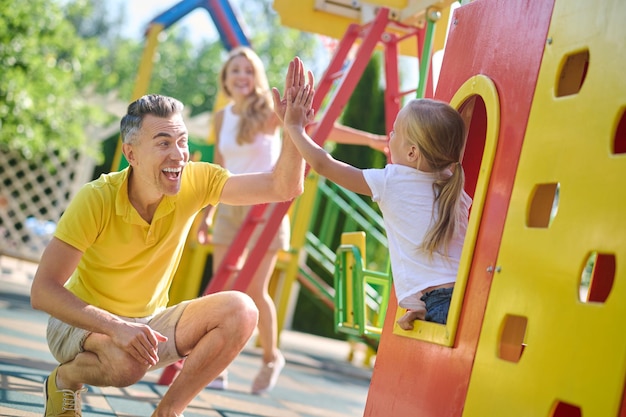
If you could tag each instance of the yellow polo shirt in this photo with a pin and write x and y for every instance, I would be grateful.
(128, 265)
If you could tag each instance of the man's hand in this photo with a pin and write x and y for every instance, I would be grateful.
(139, 341)
(295, 79)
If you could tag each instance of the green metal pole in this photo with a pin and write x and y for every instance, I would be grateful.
(426, 58)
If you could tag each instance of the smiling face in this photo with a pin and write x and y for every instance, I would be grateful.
(158, 156)
(239, 78)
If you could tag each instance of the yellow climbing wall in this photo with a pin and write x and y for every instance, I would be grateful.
(544, 350)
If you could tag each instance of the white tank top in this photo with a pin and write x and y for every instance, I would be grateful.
(258, 156)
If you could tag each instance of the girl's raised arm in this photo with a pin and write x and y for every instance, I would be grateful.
(298, 114)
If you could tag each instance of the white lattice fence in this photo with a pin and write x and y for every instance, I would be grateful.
(36, 193)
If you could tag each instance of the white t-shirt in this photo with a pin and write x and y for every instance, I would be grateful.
(258, 156)
(405, 197)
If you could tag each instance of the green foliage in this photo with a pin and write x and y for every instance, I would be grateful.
(186, 73)
(189, 71)
(53, 62)
(44, 66)
(193, 77)
(366, 111)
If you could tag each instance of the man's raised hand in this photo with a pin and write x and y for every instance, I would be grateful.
(295, 79)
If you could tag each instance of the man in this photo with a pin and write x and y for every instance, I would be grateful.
(105, 276)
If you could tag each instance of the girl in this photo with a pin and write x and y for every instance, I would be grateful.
(420, 194)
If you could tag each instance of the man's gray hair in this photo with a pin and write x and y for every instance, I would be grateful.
(154, 104)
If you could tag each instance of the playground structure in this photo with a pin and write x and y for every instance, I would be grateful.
(528, 333)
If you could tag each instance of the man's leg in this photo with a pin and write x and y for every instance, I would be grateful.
(101, 364)
(210, 333)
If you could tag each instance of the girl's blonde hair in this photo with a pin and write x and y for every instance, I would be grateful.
(439, 133)
(258, 106)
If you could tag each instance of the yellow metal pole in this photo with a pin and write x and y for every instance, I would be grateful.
(300, 225)
(143, 80)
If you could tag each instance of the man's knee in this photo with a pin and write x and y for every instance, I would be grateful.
(232, 312)
(119, 369)
(243, 309)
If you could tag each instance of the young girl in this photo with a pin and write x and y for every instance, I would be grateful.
(420, 194)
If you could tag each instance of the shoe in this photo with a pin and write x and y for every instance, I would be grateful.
(221, 382)
(268, 375)
(61, 403)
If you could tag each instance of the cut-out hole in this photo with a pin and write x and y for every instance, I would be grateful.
(544, 205)
(563, 409)
(474, 112)
(597, 278)
(619, 143)
(512, 338)
(573, 73)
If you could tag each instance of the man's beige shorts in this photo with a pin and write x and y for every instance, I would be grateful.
(65, 341)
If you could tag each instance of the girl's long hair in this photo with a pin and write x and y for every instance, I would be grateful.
(258, 106)
(439, 132)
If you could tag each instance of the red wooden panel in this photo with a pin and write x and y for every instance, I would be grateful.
(503, 40)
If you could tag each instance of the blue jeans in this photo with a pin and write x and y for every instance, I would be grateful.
(437, 304)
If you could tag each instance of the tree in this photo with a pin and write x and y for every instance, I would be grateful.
(44, 64)
(186, 73)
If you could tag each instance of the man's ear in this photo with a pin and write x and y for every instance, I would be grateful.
(129, 153)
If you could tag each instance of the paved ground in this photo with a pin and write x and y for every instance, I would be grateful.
(317, 381)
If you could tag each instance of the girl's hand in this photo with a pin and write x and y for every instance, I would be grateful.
(299, 106)
(295, 79)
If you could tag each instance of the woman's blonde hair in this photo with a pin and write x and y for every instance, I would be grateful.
(439, 133)
(258, 106)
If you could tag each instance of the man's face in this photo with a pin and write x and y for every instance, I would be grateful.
(159, 155)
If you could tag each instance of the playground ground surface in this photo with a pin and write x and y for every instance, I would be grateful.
(318, 380)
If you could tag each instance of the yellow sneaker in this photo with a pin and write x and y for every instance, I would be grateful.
(61, 403)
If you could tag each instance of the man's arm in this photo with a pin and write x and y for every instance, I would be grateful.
(48, 293)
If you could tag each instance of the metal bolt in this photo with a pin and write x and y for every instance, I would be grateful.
(490, 269)
(549, 41)
(434, 15)
(498, 269)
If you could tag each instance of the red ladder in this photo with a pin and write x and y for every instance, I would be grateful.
(371, 35)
